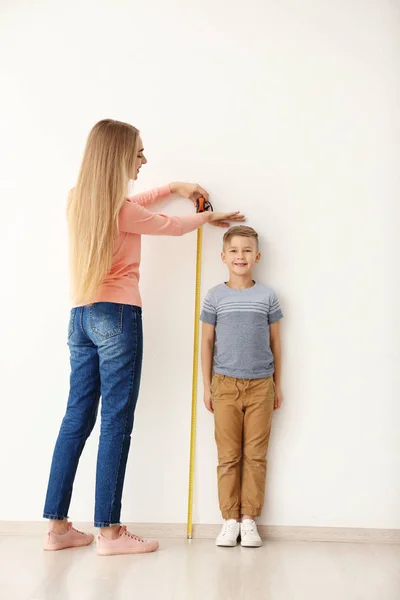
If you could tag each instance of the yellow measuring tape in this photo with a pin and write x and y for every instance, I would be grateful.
(201, 207)
(194, 383)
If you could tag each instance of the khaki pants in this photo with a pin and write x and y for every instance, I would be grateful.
(243, 411)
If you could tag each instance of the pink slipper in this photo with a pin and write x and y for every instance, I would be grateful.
(126, 543)
(72, 539)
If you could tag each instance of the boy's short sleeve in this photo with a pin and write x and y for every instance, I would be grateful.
(209, 312)
(275, 313)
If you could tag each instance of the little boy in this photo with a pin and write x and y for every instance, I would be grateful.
(241, 344)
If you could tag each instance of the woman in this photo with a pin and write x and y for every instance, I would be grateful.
(105, 328)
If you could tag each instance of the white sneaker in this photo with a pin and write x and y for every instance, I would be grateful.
(249, 534)
(229, 533)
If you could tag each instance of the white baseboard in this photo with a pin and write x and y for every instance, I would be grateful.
(271, 532)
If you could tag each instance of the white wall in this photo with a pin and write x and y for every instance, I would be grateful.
(288, 111)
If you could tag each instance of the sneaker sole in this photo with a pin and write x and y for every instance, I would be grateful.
(127, 551)
(251, 544)
(226, 545)
(58, 547)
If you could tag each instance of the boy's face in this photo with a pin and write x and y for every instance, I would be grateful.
(240, 254)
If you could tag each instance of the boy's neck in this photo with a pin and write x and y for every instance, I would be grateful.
(237, 282)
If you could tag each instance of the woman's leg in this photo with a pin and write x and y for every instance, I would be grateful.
(117, 331)
(77, 424)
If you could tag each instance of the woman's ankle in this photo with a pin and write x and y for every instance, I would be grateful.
(111, 533)
(58, 526)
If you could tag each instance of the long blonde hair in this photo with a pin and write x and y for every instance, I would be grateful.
(95, 202)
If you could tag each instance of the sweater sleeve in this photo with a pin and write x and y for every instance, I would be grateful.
(151, 196)
(134, 218)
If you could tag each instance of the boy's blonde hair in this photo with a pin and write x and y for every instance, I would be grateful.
(241, 230)
(94, 204)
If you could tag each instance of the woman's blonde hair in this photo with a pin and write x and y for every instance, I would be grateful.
(95, 202)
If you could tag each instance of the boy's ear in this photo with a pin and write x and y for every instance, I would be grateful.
(258, 257)
(223, 256)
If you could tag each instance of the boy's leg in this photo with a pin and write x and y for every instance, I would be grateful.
(259, 406)
(228, 418)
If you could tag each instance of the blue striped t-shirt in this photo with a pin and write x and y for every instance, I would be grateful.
(242, 319)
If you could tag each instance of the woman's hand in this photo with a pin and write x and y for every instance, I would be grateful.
(219, 219)
(192, 191)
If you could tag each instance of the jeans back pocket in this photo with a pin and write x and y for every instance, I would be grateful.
(71, 324)
(105, 319)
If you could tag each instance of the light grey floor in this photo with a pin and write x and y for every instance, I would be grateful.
(197, 570)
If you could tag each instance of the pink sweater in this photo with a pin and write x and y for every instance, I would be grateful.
(122, 283)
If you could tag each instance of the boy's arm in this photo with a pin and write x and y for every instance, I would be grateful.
(275, 340)
(207, 352)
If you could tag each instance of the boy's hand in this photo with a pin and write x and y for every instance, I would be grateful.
(278, 398)
(208, 401)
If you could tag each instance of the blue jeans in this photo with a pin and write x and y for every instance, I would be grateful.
(106, 346)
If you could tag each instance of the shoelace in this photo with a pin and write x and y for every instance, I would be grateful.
(249, 527)
(71, 528)
(229, 527)
(124, 531)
